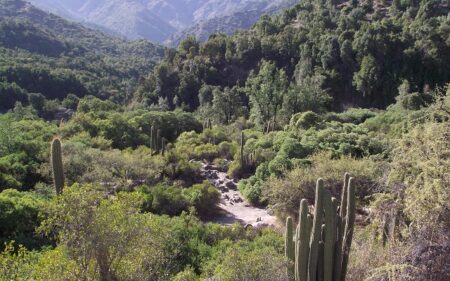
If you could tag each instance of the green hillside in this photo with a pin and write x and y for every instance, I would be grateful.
(42, 53)
(355, 53)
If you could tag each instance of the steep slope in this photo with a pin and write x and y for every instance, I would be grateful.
(43, 53)
(158, 20)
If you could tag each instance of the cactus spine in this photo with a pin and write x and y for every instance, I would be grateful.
(57, 165)
(321, 245)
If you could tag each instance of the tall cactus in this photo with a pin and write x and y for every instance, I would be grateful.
(242, 150)
(152, 138)
(289, 246)
(57, 165)
(321, 245)
(316, 232)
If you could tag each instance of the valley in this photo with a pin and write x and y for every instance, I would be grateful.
(285, 141)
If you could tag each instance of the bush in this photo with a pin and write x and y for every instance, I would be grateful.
(261, 259)
(353, 115)
(422, 165)
(204, 197)
(308, 120)
(20, 215)
(285, 194)
(251, 187)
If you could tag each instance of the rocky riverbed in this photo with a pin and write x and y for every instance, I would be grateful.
(233, 207)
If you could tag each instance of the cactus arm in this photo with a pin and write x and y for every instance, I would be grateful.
(349, 225)
(330, 237)
(289, 247)
(316, 232)
(343, 207)
(303, 242)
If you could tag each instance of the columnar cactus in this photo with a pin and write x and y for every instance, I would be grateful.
(57, 165)
(242, 149)
(152, 138)
(290, 246)
(322, 244)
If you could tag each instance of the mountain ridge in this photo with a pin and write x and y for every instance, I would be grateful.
(164, 21)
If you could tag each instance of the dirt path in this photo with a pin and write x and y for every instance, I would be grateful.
(233, 208)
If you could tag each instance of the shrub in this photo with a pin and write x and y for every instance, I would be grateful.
(260, 259)
(308, 120)
(20, 215)
(353, 115)
(422, 164)
(204, 197)
(286, 193)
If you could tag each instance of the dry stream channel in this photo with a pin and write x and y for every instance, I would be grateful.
(233, 207)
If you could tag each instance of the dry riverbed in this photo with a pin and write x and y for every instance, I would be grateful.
(233, 207)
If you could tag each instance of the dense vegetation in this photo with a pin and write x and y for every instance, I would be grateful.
(316, 56)
(323, 89)
(41, 53)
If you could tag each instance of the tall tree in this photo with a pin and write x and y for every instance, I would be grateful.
(267, 90)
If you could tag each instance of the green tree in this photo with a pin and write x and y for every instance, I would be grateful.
(267, 90)
(227, 105)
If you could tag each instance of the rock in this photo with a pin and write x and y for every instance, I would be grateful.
(209, 167)
(213, 176)
(237, 199)
(231, 185)
(270, 212)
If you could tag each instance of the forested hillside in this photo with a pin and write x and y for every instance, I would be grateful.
(42, 53)
(189, 173)
(316, 56)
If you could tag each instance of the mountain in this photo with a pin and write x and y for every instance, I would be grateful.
(242, 17)
(164, 20)
(66, 57)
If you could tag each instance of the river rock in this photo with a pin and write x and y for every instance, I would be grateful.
(209, 167)
(231, 185)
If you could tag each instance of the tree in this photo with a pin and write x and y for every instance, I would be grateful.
(307, 95)
(267, 90)
(366, 79)
(110, 236)
(227, 105)
(37, 101)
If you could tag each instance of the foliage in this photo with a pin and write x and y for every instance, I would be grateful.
(285, 194)
(421, 163)
(314, 56)
(20, 215)
(64, 57)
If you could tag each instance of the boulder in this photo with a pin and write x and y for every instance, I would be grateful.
(231, 185)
